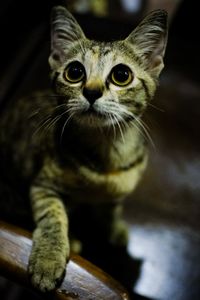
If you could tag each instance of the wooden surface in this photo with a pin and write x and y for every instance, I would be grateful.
(82, 280)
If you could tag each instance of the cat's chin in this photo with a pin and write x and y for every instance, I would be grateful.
(92, 119)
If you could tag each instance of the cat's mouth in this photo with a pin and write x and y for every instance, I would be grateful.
(91, 111)
(96, 115)
(92, 117)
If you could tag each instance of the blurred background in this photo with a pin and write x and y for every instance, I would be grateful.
(163, 214)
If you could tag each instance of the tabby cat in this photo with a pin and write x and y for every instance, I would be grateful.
(81, 143)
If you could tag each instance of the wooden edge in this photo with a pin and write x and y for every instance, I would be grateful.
(82, 281)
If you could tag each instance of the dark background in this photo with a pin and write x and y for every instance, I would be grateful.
(164, 212)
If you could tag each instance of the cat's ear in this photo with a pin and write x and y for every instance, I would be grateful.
(149, 40)
(64, 31)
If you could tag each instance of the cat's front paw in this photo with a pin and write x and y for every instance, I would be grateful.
(47, 263)
(45, 274)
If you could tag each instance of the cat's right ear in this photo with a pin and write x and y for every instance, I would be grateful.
(64, 31)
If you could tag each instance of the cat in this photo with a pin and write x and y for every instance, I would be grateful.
(82, 143)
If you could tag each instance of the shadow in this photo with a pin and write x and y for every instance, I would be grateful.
(114, 260)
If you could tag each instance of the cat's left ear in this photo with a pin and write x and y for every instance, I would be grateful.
(149, 40)
(64, 32)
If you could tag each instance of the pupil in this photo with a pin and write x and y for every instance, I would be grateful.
(121, 75)
(75, 72)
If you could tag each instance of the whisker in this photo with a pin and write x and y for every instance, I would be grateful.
(34, 114)
(41, 125)
(112, 124)
(156, 107)
(143, 126)
(139, 130)
(54, 121)
(60, 105)
(64, 126)
(38, 111)
(121, 112)
(50, 121)
(119, 126)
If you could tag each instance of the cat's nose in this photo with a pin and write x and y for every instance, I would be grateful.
(92, 94)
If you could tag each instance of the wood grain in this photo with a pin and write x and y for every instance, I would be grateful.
(82, 280)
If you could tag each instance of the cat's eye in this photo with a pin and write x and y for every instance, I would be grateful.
(121, 75)
(75, 72)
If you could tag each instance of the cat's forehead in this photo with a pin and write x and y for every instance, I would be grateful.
(103, 55)
(101, 49)
(99, 54)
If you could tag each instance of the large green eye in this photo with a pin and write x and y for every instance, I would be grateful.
(75, 72)
(121, 75)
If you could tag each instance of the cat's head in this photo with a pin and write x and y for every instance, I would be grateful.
(105, 83)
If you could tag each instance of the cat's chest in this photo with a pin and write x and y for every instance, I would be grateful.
(111, 185)
(84, 184)
(100, 172)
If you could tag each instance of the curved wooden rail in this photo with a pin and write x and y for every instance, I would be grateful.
(82, 280)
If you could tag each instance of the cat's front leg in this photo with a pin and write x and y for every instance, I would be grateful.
(50, 249)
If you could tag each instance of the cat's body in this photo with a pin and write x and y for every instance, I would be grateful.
(81, 143)
(104, 170)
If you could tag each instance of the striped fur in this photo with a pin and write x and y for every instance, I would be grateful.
(70, 154)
